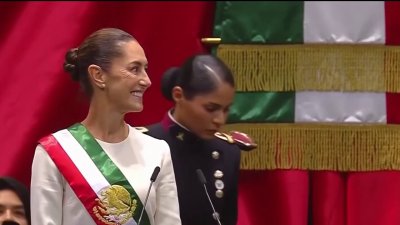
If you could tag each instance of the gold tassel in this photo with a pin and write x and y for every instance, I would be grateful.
(318, 67)
(318, 146)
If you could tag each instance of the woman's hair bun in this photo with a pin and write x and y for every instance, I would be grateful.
(71, 63)
(169, 81)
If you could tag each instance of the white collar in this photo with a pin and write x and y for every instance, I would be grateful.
(173, 119)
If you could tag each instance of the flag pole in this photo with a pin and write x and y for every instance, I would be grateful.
(211, 41)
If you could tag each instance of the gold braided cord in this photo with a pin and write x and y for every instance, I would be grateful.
(317, 146)
(318, 67)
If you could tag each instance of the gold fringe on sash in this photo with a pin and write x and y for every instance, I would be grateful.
(317, 67)
(309, 146)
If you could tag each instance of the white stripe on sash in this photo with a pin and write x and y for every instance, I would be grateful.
(82, 161)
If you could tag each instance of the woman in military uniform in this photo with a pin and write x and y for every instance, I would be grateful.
(203, 90)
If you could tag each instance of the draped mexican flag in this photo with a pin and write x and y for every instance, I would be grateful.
(317, 82)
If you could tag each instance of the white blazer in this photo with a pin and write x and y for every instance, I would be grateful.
(53, 202)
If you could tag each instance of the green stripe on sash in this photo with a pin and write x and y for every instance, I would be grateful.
(106, 166)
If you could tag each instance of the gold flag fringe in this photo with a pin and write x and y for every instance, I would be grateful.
(309, 146)
(318, 67)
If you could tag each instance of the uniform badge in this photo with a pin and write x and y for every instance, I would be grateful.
(180, 136)
(114, 205)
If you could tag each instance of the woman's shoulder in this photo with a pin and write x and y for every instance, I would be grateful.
(142, 134)
(238, 139)
(141, 129)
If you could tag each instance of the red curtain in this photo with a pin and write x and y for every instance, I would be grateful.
(37, 98)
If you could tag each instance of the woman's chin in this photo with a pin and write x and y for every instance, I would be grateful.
(136, 107)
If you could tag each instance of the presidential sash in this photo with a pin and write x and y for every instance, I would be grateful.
(93, 176)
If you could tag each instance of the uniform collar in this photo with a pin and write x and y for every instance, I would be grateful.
(176, 129)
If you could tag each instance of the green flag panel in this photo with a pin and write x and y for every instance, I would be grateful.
(250, 22)
(262, 107)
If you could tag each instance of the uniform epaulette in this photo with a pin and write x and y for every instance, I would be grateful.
(142, 129)
(225, 137)
(242, 140)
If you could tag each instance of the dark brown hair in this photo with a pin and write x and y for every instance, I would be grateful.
(100, 48)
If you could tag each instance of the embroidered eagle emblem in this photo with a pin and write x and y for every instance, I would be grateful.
(114, 205)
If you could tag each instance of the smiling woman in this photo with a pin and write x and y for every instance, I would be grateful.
(98, 171)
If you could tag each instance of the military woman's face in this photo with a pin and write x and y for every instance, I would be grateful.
(206, 114)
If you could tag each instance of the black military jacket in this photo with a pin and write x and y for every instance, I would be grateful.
(220, 162)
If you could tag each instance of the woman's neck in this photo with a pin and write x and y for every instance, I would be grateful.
(172, 115)
(106, 124)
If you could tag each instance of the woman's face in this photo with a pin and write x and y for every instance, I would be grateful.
(127, 79)
(205, 114)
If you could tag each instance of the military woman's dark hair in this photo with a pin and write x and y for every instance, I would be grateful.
(198, 75)
(100, 48)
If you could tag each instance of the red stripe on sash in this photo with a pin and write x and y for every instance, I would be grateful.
(73, 176)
